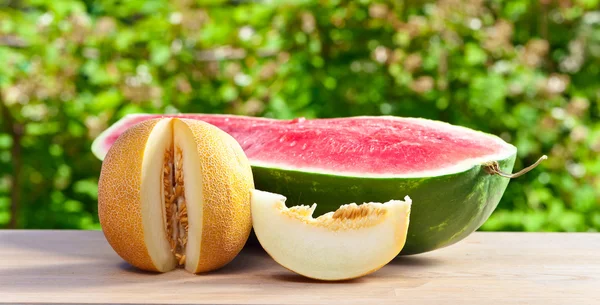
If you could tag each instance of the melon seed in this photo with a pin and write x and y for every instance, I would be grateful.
(176, 220)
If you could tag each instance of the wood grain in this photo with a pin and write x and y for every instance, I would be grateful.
(486, 268)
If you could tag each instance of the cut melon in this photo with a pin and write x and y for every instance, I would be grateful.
(175, 192)
(353, 241)
(454, 175)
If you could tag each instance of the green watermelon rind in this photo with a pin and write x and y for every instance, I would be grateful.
(448, 205)
(445, 209)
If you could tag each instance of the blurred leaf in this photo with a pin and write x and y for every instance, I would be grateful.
(5, 141)
(87, 187)
(474, 55)
(160, 54)
(106, 100)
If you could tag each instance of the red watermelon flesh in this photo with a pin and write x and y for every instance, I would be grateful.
(357, 145)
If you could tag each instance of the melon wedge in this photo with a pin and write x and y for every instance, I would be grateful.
(175, 192)
(353, 241)
(452, 173)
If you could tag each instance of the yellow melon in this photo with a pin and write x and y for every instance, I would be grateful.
(351, 242)
(175, 192)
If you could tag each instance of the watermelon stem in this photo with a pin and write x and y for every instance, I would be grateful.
(493, 168)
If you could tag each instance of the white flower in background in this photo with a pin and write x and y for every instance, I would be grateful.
(475, 24)
(45, 19)
(175, 18)
(245, 33)
(242, 79)
(381, 54)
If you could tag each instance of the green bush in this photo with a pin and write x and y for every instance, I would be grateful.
(527, 71)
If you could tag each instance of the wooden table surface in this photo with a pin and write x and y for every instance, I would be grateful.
(486, 268)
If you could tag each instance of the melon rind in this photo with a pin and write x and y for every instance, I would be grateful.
(448, 204)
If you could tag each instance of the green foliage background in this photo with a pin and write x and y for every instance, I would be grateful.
(528, 71)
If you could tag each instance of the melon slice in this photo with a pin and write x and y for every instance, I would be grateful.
(353, 241)
(455, 175)
(175, 192)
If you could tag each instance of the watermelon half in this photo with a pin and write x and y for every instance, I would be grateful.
(445, 169)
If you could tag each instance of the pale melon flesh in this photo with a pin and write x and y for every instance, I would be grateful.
(351, 242)
(172, 148)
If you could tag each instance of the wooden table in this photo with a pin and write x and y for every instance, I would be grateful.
(486, 268)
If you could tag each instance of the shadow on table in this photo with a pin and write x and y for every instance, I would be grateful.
(291, 277)
(415, 261)
(407, 264)
(251, 258)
